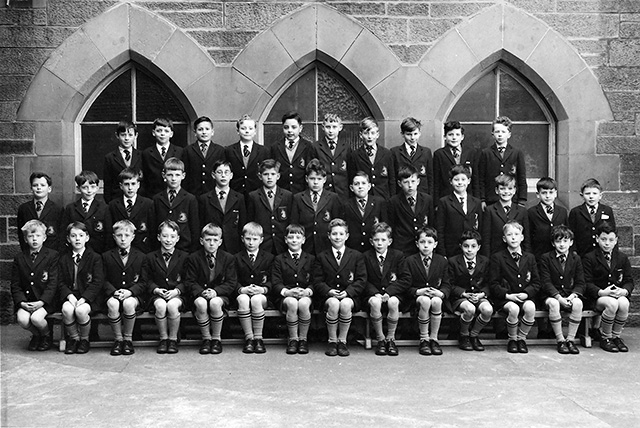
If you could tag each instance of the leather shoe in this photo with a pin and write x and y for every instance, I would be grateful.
(435, 347)
(343, 351)
(424, 348)
(620, 344)
(34, 342)
(464, 343)
(205, 347)
(258, 346)
(45, 343)
(248, 347)
(563, 348)
(522, 347)
(163, 346)
(332, 349)
(216, 347)
(83, 346)
(392, 348)
(172, 348)
(381, 348)
(303, 347)
(512, 347)
(476, 344)
(292, 347)
(71, 347)
(573, 349)
(608, 345)
(116, 349)
(127, 348)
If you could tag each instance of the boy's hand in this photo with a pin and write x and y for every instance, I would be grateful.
(565, 303)
(208, 293)
(72, 299)
(341, 295)
(333, 293)
(81, 301)
(513, 298)
(170, 294)
(421, 291)
(378, 296)
(618, 292)
(472, 297)
(159, 291)
(385, 297)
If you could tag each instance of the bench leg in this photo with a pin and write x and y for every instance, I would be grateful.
(367, 334)
(586, 338)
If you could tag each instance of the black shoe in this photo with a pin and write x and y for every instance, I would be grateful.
(573, 349)
(116, 349)
(303, 347)
(71, 347)
(259, 347)
(332, 349)
(424, 348)
(45, 343)
(563, 348)
(127, 348)
(248, 347)
(608, 345)
(464, 343)
(522, 347)
(292, 347)
(34, 343)
(512, 347)
(392, 348)
(343, 351)
(216, 347)
(205, 347)
(83, 346)
(435, 347)
(476, 344)
(381, 348)
(172, 348)
(163, 346)
(620, 344)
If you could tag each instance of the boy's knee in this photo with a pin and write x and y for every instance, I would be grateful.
(243, 301)
(393, 303)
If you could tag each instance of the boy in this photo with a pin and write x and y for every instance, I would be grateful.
(315, 208)
(544, 216)
(178, 205)
(124, 156)
(293, 153)
(387, 282)
(81, 277)
(339, 277)
(270, 206)
(245, 156)
(134, 208)
(514, 286)
(376, 161)
(166, 275)
(469, 276)
(498, 214)
(411, 153)
(292, 288)
(501, 158)
(607, 273)
(254, 283)
(563, 287)
(452, 154)
(584, 218)
(211, 277)
(40, 208)
(124, 286)
(332, 152)
(154, 157)
(363, 212)
(34, 285)
(88, 209)
(429, 289)
(409, 210)
(224, 206)
(457, 212)
(199, 157)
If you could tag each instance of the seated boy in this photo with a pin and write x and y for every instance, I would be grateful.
(124, 156)
(544, 216)
(332, 152)
(453, 153)
(34, 285)
(253, 268)
(563, 287)
(154, 157)
(199, 158)
(386, 286)
(211, 277)
(469, 276)
(412, 153)
(81, 278)
(608, 275)
(429, 289)
(292, 288)
(41, 208)
(245, 156)
(339, 277)
(514, 286)
(362, 212)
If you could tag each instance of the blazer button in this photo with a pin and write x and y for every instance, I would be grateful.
(295, 275)
(32, 273)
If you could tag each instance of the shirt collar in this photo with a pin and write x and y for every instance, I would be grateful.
(133, 199)
(295, 143)
(159, 146)
(383, 254)
(249, 145)
(75, 253)
(43, 200)
(299, 253)
(336, 250)
(408, 147)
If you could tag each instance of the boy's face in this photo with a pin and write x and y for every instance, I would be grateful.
(78, 239)
(470, 248)
(40, 188)
(460, 183)
(591, 196)
(247, 130)
(410, 185)
(168, 238)
(562, 245)
(127, 138)
(88, 190)
(501, 133)
(315, 181)
(411, 137)
(338, 236)
(204, 132)
(370, 136)
(380, 242)
(294, 241)
(130, 187)
(173, 178)
(291, 129)
(124, 238)
(360, 186)
(547, 196)
(222, 175)
(269, 177)
(454, 137)
(35, 239)
(426, 245)
(252, 242)
(162, 134)
(332, 129)
(513, 237)
(211, 243)
(506, 192)
(607, 241)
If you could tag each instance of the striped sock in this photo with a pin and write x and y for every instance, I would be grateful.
(423, 325)
(216, 326)
(304, 324)
(127, 325)
(464, 325)
(377, 328)
(436, 319)
(161, 322)
(72, 330)
(512, 330)
(392, 326)
(618, 325)
(116, 326)
(85, 329)
(606, 326)
(479, 325)
(525, 327)
(245, 322)
(257, 322)
(203, 323)
(556, 326)
(573, 328)
(343, 327)
(332, 328)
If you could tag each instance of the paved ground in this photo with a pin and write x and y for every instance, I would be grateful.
(494, 388)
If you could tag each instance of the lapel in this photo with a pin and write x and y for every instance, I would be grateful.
(277, 199)
(254, 153)
(362, 154)
(115, 255)
(119, 160)
(421, 203)
(341, 147)
(542, 213)
(501, 213)
(603, 261)
(585, 212)
(119, 204)
(352, 205)
(422, 270)
(299, 150)
(455, 202)
(324, 148)
(136, 208)
(182, 194)
(136, 157)
(378, 157)
(265, 201)
(405, 205)
(495, 152)
(368, 208)
(159, 261)
(232, 200)
(164, 198)
(324, 200)
(508, 151)
(215, 202)
(171, 152)
(449, 155)
(306, 199)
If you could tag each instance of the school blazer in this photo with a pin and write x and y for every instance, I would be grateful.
(113, 166)
(508, 278)
(224, 281)
(231, 220)
(90, 278)
(274, 222)
(394, 279)
(349, 276)
(464, 282)
(51, 215)
(38, 280)
(258, 273)
(159, 275)
(490, 165)
(451, 221)
(316, 223)
(97, 222)
(443, 161)
(598, 275)
(382, 174)
(584, 229)
(422, 161)
(494, 219)
(246, 180)
(405, 221)
(142, 217)
(183, 211)
(198, 168)
(540, 227)
(130, 276)
(286, 274)
(152, 165)
(360, 226)
(336, 166)
(292, 173)
(438, 274)
(555, 280)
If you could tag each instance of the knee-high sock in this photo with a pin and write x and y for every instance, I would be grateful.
(525, 327)
(332, 328)
(216, 326)
(512, 330)
(436, 319)
(392, 326)
(556, 326)
(292, 328)
(464, 325)
(573, 328)
(304, 324)
(606, 326)
(85, 329)
(245, 323)
(618, 324)
(343, 327)
(127, 326)
(72, 330)
(377, 328)
(174, 327)
(116, 326)
(162, 327)
(204, 325)
(479, 325)
(423, 325)
(257, 322)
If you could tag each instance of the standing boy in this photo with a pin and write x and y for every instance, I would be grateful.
(362, 212)
(125, 156)
(332, 152)
(452, 154)
(245, 157)
(411, 153)
(199, 158)
(43, 209)
(154, 157)
(544, 216)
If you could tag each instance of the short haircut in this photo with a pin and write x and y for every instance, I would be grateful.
(162, 121)
(590, 183)
(451, 125)
(505, 180)
(514, 224)
(211, 229)
(217, 164)
(338, 222)
(561, 232)
(470, 234)
(605, 227)
(459, 169)
(502, 120)
(361, 174)
(39, 174)
(546, 183)
(410, 124)
(173, 164)
(368, 123)
(87, 177)
(33, 225)
(382, 227)
(77, 225)
(125, 126)
(124, 224)
(331, 118)
(244, 118)
(292, 115)
(428, 232)
(129, 173)
(268, 164)
(295, 229)
(252, 228)
(316, 166)
(406, 172)
(170, 224)
(201, 119)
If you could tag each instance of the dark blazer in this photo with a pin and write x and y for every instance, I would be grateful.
(292, 173)
(224, 281)
(540, 227)
(183, 211)
(90, 278)
(438, 275)
(394, 279)
(360, 226)
(508, 278)
(198, 168)
(556, 280)
(349, 276)
(159, 275)
(130, 276)
(451, 221)
(584, 229)
(490, 165)
(464, 282)
(38, 280)
(316, 223)
(152, 165)
(382, 173)
(246, 180)
(51, 215)
(598, 275)
(286, 274)
(422, 161)
(231, 221)
(405, 221)
(494, 219)
(97, 222)
(113, 166)
(142, 217)
(258, 273)
(274, 222)
(335, 164)
(443, 161)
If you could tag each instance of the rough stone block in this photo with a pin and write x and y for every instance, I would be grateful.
(182, 6)
(449, 60)
(535, 6)
(565, 59)
(15, 147)
(148, 33)
(52, 165)
(223, 56)
(13, 87)
(583, 25)
(454, 10)
(595, 61)
(618, 145)
(625, 53)
(409, 54)
(22, 17)
(621, 200)
(34, 37)
(597, 6)
(522, 32)
(75, 13)
(428, 30)
(629, 30)
(17, 130)
(196, 19)
(625, 236)
(627, 216)
(408, 9)
(223, 39)
(624, 101)
(256, 16)
(22, 60)
(298, 44)
(3, 229)
(336, 33)
(616, 128)
(630, 182)
(39, 105)
(630, 163)
(9, 251)
(590, 46)
(624, 116)
(6, 161)
(8, 110)
(389, 30)
(627, 6)
(360, 8)
(6, 179)
(619, 78)
(9, 204)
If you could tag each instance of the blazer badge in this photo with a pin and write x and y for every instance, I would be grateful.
(604, 217)
(351, 276)
(475, 223)
(236, 217)
(302, 163)
(376, 220)
(136, 278)
(620, 276)
(423, 170)
(51, 231)
(99, 227)
(264, 278)
(327, 216)
(528, 276)
(182, 218)
(384, 172)
(45, 276)
(89, 277)
(307, 277)
(513, 169)
(143, 227)
(393, 277)
(282, 213)
(343, 167)
(178, 278)
(426, 220)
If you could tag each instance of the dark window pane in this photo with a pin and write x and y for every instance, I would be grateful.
(337, 97)
(154, 100)
(300, 97)
(97, 141)
(533, 140)
(478, 103)
(114, 103)
(272, 134)
(145, 139)
(477, 136)
(516, 102)
(350, 133)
